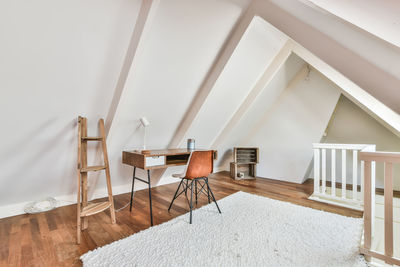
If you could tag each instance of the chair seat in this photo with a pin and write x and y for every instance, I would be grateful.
(178, 175)
(199, 167)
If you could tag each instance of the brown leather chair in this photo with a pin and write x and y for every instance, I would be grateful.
(200, 166)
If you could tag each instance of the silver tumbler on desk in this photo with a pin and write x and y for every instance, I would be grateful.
(190, 144)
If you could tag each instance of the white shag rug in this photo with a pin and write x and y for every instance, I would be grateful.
(251, 231)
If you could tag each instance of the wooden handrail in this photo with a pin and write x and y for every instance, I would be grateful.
(342, 146)
(389, 158)
(393, 157)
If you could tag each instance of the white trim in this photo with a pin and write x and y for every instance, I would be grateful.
(341, 146)
(386, 116)
(65, 200)
(335, 201)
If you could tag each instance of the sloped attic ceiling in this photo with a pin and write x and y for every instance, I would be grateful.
(368, 61)
(63, 60)
(245, 59)
(380, 18)
(183, 48)
(254, 53)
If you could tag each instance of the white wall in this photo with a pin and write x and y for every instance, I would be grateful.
(379, 18)
(173, 61)
(263, 103)
(285, 129)
(58, 60)
(256, 50)
(62, 59)
(297, 120)
(351, 125)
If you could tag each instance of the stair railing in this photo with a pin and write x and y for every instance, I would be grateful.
(389, 159)
(339, 196)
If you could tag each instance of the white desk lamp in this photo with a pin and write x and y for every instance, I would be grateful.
(144, 123)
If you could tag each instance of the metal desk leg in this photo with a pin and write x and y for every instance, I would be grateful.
(195, 189)
(208, 191)
(191, 201)
(151, 209)
(133, 184)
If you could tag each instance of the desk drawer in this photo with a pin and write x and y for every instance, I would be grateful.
(155, 161)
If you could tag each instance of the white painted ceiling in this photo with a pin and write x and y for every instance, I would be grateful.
(61, 61)
(380, 18)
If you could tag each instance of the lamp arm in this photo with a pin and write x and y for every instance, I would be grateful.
(144, 138)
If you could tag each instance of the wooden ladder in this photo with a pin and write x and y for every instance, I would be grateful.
(84, 208)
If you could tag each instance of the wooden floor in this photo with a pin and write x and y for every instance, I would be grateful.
(48, 239)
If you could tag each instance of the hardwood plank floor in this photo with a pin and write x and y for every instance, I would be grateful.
(48, 239)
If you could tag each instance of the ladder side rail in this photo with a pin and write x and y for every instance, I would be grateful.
(84, 175)
(107, 170)
(78, 202)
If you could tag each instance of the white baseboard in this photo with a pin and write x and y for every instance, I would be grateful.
(220, 169)
(18, 208)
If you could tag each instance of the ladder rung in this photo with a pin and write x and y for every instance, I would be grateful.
(93, 208)
(93, 168)
(96, 138)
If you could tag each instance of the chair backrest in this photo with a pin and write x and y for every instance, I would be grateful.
(201, 164)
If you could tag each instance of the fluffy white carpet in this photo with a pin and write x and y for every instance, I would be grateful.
(251, 231)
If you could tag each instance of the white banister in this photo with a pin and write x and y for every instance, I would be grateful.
(333, 172)
(362, 180)
(323, 167)
(344, 173)
(329, 194)
(355, 174)
(316, 170)
(389, 159)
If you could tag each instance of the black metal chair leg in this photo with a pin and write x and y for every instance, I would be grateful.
(186, 188)
(195, 189)
(212, 195)
(133, 184)
(151, 209)
(191, 201)
(208, 191)
(179, 186)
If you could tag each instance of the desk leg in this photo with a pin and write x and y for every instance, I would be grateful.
(191, 201)
(195, 189)
(133, 184)
(208, 191)
(151, 209)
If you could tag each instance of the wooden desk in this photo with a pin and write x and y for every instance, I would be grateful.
(155, 159)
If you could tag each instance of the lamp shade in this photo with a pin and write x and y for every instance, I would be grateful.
(144, 122)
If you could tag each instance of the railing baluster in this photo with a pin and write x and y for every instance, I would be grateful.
(362, 181)
(323, 163)
(344, 173)
(367, 205)
(333, 172)
(316, 170)
(370, 158)
(325, 157)
(388, 209)
(355, 163)
(373, 173)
